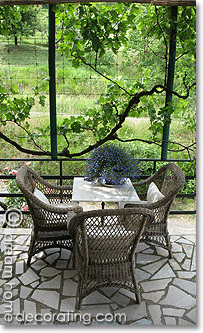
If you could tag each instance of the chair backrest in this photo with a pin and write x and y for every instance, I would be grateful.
(27, 180)
(108, 234)
(45, 216)
(169, 179)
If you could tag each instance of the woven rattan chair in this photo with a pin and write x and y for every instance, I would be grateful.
(4, 206)
(50, 218)
(169, 180)
(105, 242)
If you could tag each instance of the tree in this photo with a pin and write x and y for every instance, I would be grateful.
(27, 25)
(89, 32)
(8, 16)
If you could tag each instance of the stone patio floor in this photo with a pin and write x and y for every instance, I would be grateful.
(45, 293)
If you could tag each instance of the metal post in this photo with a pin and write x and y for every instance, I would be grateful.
(61, 173)
(52, 83)
(170, 79)
(154, 167)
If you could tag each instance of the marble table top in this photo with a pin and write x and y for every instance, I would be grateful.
(87, 191)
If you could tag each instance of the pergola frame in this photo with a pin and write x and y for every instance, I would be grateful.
(153, 2)
(52, 83)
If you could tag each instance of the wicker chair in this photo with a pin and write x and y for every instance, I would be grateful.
(4, 206)
(105, 242)
(169, 180)
(50, 218)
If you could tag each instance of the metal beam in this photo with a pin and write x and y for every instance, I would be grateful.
(52, 84)
(153, 2)
(170, 80)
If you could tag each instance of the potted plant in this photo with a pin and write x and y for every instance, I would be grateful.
(111, 165)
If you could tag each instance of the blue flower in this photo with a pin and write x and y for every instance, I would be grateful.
(112, 164)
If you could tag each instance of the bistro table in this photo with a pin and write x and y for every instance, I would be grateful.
(84, 190)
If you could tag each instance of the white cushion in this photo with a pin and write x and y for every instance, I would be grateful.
(41, 196)
(153, 194)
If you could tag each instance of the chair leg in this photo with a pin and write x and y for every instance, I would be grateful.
(137, 289)
(29, 259)
(138, 298)
(168, 243)
(78, 301)
(73, 258)
(170, 253)
(30, 252)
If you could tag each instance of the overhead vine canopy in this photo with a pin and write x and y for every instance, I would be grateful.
(86, 35)
(153, 2)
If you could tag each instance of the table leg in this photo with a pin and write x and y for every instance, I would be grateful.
(102, 218)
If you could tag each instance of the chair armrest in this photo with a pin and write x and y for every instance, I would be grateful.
(55, 209)
(47, 217)
(51, 186)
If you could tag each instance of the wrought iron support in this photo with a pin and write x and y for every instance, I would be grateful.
(170, 80)
(52, 83)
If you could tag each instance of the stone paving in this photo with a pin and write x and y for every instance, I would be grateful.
(45, 293)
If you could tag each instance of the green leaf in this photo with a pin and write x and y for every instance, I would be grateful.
(42, 100)
(14, 89)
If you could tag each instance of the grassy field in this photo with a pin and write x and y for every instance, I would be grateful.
(26, 65)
